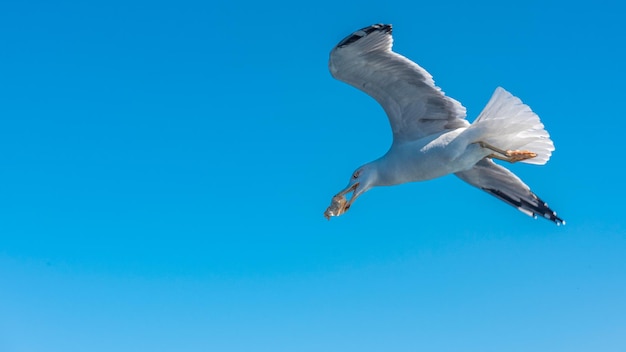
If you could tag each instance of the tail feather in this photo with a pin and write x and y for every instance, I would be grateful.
(509, 124)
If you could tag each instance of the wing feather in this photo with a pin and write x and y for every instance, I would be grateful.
(414, 105)
(503, 184)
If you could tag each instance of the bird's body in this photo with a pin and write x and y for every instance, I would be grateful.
(431, 137)
(445, 153)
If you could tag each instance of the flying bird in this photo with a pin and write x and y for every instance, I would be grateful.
(431, 137)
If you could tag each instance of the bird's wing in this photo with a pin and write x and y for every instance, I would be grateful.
(502, 183)
(414, 105)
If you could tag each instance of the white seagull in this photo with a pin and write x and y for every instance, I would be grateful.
(431, 137)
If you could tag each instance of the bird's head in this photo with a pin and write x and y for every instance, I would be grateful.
(361, 181)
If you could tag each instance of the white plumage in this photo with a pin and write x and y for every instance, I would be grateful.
(431, 136)
(510, 124)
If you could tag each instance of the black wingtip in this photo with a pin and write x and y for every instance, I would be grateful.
(387, 28)
(539, 208)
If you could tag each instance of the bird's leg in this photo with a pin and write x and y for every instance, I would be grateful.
(511, 156)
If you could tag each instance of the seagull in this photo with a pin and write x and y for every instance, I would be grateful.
(431, 137)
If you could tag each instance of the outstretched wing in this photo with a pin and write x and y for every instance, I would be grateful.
(502, 183)
(414, 105)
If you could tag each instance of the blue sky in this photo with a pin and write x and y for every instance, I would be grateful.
(165, 167)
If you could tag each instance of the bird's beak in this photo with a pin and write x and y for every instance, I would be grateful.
(339, 204)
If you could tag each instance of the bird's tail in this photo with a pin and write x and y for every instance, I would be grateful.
(509, 124)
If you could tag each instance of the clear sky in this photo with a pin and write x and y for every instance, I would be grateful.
(165, 167)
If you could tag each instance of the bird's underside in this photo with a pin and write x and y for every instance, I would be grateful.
(487, 176)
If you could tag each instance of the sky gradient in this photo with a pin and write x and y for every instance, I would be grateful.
(166, 165)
